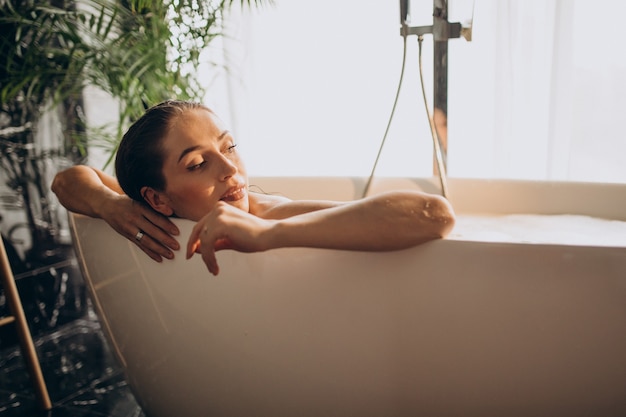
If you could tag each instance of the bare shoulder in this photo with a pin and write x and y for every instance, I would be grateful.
(262, 204)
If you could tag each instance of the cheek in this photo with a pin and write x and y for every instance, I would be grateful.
(190, 194)
(192, 206)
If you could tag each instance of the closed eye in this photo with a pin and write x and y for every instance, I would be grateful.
(231, 148)
(196, 166)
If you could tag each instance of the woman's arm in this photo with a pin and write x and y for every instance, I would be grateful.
(86, 190)
(275, 207)
(91, 192)
(390, 221)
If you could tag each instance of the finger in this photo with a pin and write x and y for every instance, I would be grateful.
(158, 236)
(150, 245)
(194, 249)
(152, 238)
(155, 256)
(194, 239)
(192, 245)
(161, 221)
(207, 249)
(208, 256)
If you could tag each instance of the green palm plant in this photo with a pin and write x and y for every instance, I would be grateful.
(138, 51)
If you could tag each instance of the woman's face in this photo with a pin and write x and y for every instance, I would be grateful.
(201, 167)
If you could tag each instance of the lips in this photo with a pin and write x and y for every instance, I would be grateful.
(234, 194)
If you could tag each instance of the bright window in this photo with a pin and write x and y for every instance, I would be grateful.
(537, 94)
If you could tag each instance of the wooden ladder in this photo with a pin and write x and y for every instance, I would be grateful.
(26, 341)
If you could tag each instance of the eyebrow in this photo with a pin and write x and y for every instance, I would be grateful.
(193, 148)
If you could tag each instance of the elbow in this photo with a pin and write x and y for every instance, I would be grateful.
(62, 181)
(439, 215)
(448, 217)
(57, 183)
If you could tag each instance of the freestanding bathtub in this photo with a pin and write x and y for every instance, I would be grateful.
(482, 323)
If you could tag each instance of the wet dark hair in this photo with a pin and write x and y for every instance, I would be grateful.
(139, 159)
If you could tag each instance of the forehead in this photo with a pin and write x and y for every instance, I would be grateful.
(193, 127)
(193, 122)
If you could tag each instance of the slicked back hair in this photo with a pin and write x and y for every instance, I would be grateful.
(139, 160)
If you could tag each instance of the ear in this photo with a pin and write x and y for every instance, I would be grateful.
(158, 201)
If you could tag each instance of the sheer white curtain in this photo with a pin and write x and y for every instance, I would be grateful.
(537, 94)
(540, 93)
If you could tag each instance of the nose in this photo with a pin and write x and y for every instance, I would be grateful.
(228, 168)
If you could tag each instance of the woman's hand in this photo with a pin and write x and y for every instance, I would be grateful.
(227, 227)
(89, 191)
(150, 231)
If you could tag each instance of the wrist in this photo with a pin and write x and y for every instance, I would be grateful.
(105, 203)
(275, 236)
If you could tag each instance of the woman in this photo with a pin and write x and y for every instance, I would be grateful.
(179, 160)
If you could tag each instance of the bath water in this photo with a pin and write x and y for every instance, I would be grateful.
(561, 229)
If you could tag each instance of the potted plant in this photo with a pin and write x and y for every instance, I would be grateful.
(138, 51)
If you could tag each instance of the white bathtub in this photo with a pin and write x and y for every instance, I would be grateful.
(456, 327)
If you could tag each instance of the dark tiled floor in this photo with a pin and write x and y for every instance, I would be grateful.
(82, 377)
